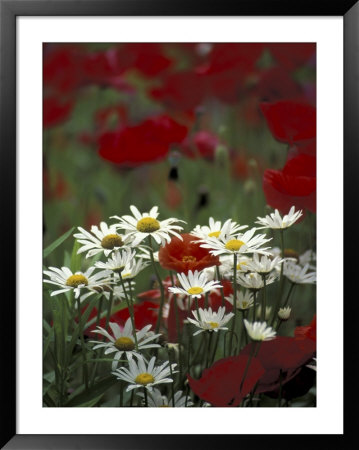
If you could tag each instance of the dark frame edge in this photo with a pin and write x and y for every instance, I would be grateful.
(9, 10)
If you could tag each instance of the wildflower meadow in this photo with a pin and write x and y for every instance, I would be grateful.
(179, 225)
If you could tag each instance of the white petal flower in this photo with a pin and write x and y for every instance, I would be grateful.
(244, 300)
(298, 274)
(242, 243)
(104, 239)
(157, 400)
(259, 331)
(133, 268)
(123, 341)
(208, 320)
(75, 282)
(284, 313)
(264, 265)
(194, 284)
(139, 226)
(254, 281)
(276, 222)
(214, 229)
(118, 260)
(142, 375)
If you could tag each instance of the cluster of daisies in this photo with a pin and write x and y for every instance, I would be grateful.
(118, 253)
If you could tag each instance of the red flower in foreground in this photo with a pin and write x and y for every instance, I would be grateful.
(294, 185)
(186, 255)
(220, 384)
(146, 142)
(282, 358)
(290, 121)
(292, 55)
(56, 110)
(309, 331)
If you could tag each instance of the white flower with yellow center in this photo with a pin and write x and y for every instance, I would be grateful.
(139, 226)
(298, 274)
(123, 341)
(227, 244)
(208, 320)
(157, 400)
(75, 282)
(194, 284)
(263, 265)
(118, 260)
(259, 331)
(244, 300)
(133, 268)
(146, 254)
(254, 281)
(276, 222)
(104, 239)
(142, 375)
(284, 313)
(226, 267)
(214, 229)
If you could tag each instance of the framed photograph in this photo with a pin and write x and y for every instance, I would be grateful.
(179, 178)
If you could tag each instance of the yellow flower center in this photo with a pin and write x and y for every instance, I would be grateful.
(124, 343)
(144, 378)
(214, 234)
(148, 225)
(111, 241)
(75, 281)
(234, 245)
(189, 258)
(195, 290)
(213, 325)
(244, 304)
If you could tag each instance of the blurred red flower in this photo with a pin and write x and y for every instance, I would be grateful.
(292, 55)
(146, 142)
(184, 255)
(290, 121)
(309, 331)
(294, 185)
(56, 110)
(282, 358)
(201, 144)
(220, 384)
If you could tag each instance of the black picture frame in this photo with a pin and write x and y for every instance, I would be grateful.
(9, 10)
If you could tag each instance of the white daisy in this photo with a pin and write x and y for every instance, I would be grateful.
(244, 300)
(141, 375)
(254, 281)
(267, 312)
(259, 331)
(208, 320)
(284, 313)
(298, 274)
(226, 267)
(123, 341)
(146, 254)
(307, 258)
(227, 244)
(157, 400)
(133, 268)
(104, 239)
(75, 282)
(264, 264)
(117, 261)
(194, 284)
(215, 228)
(139, 226)
(276, 222)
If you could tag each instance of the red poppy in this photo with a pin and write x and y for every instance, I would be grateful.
(220, 384)
(146, 142)
(184, 255)
(147, 58)
(282, 358)
(277, 83)
(294, 185)
(56, 110)
(307, 332)
(290, 121)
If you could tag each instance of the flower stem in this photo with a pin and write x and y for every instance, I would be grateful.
(145, 394)
(234, 300)
(264, 303)
(221, 289)
(130, 310)
(83, 348)
(160, 284)
(281, 280)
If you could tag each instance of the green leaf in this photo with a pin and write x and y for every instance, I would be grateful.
(58, 242)
(92, 394)
(75, 264)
